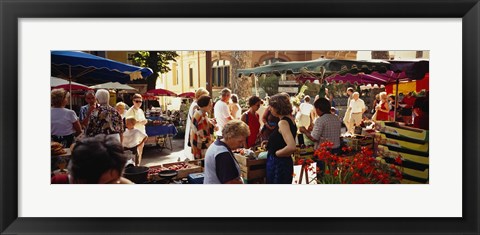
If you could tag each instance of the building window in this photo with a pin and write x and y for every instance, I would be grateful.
(99, 53)
(190, 75)
(220, 73)
(419, 54)
(130, 57)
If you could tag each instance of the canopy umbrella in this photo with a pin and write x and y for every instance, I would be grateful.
(152, 94)
(65, 84)
(114, 86)
(352, 71)
(187, 94)
(76, 65)
(325, 66)
(160, 92)
(398, 71)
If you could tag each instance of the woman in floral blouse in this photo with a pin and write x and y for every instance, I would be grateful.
(201, 131)
(105, 119)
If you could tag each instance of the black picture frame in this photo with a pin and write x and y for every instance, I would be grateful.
(11, 11)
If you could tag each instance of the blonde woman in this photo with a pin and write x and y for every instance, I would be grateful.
(193, 107)
(65, 124)
(382, 108)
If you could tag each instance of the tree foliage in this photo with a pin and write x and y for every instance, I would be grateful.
(158, 61)
(269, 84)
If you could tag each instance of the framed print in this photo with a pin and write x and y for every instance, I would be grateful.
(31, 29)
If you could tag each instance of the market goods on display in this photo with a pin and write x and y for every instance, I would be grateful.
(57, 148)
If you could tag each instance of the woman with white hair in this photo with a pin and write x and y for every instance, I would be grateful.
(105, 119)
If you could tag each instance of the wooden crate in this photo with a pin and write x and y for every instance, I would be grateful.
(252, 169)
(183, 173)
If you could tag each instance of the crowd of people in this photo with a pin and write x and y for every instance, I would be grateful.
(279, 128)
(215, 129)
(121, 128)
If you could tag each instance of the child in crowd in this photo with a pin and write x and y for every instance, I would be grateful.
(132, 138)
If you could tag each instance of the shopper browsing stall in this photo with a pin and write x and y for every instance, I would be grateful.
(382, 108)
(252, 119)
(281, 143)
(221, 111)
(193, 107)
(87, 109)
(137, 113)
(105, 119)
(327, 128)
(357, 108)
(64, 122)
(221, 167)
(201, 131)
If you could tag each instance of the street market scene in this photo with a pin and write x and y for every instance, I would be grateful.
(239, 117)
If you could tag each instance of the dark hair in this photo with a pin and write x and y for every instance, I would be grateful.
(136, 96)
(93, 156)
(350, 89)
(203, 101)
(234, 98)
(307, 98)
(253, 100)
(281, 103)
(322, 104)
(422, 104)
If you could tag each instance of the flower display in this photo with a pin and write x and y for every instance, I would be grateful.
(357, 168)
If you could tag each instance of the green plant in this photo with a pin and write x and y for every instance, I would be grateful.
(269, 84)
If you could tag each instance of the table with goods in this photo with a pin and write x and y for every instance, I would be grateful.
(160, 131)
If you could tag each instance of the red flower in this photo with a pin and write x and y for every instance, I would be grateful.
(327, 172)
(398, 160)
(335, 173)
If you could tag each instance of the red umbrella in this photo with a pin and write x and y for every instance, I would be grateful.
(187, 94)
(159, 92)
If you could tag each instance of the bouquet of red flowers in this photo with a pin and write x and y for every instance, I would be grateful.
(359, 168)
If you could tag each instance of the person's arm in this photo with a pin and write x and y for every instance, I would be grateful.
(316, 134)
(226, 170)
(143, 120)
(265, 119)
(291, 147)
(225, 112)
(386, 110)
(244, 118)
(77, 127)
(89, 111)
(233, 110)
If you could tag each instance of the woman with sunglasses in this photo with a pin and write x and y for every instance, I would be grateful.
(136, 112)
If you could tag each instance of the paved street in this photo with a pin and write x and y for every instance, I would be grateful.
(153, 155)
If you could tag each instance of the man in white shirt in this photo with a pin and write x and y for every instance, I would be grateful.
(357, 108)
(346, 118)
(221, 111)
(304, 118)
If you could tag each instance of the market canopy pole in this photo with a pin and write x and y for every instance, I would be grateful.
(396, 102)
(70, 84)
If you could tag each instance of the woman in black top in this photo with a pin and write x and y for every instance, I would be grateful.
(281, 143)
